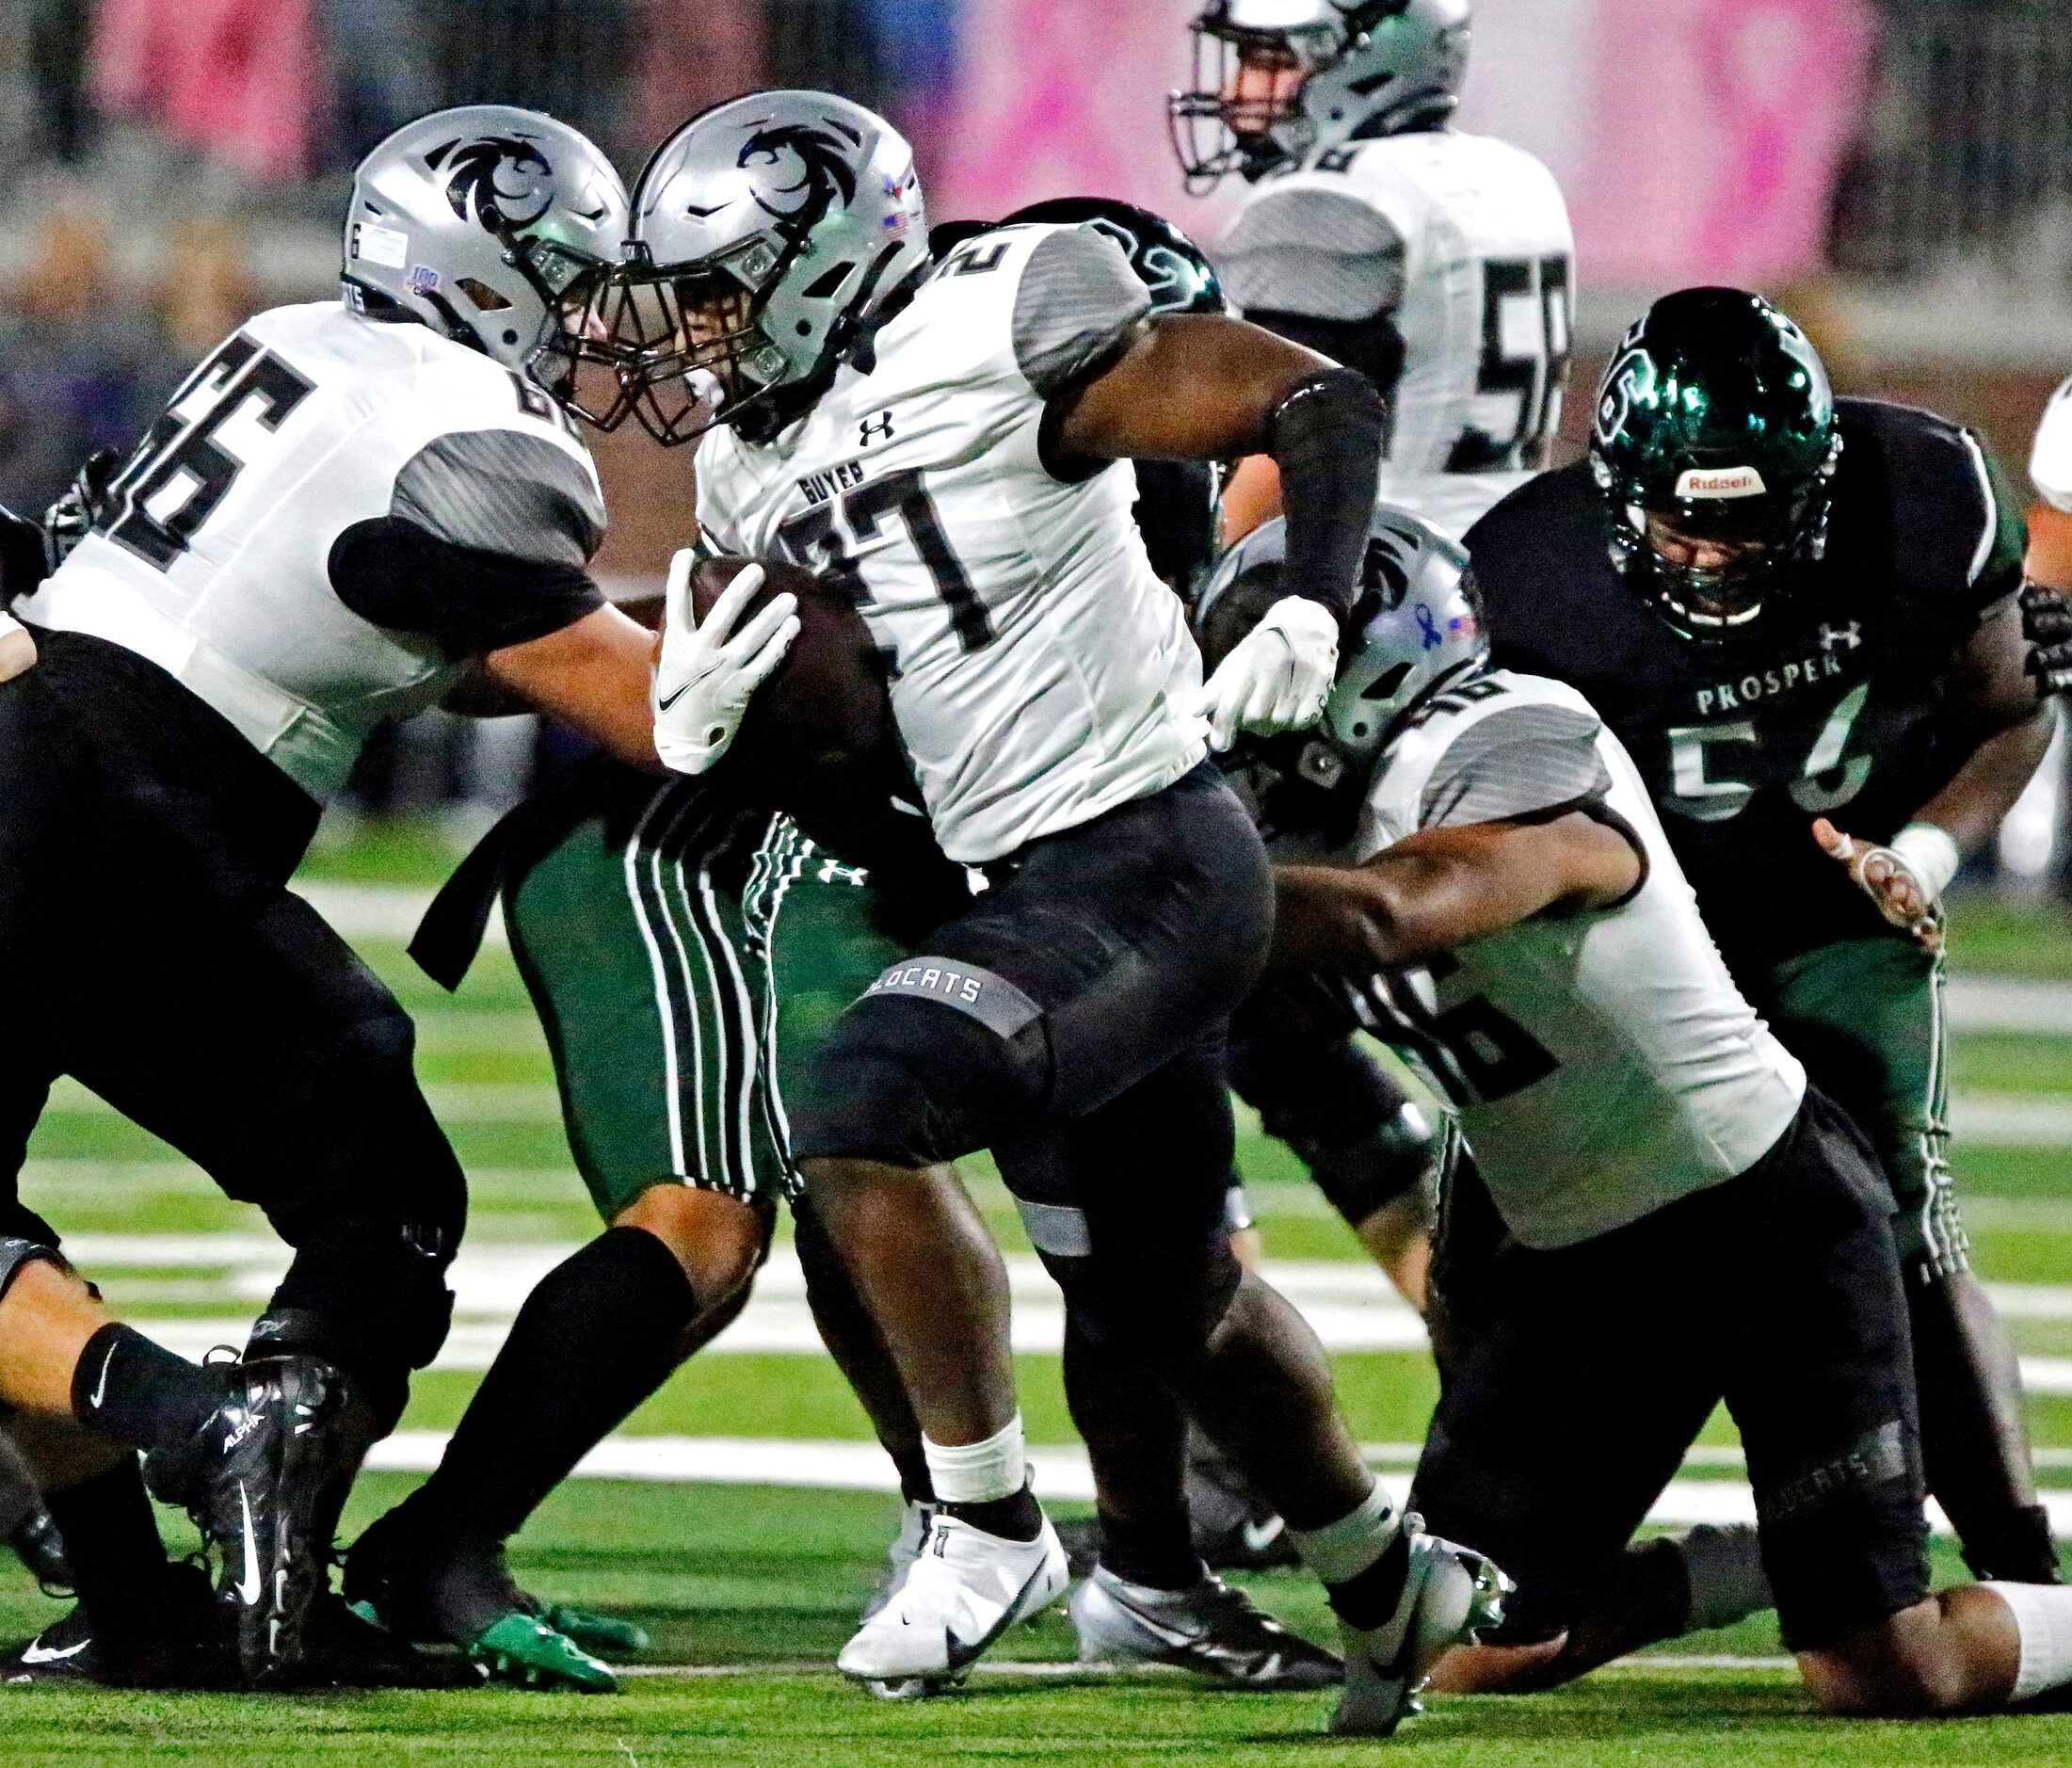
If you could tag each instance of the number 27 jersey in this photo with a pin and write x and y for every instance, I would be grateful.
(1041, 672)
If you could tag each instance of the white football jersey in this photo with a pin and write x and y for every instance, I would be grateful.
(2050, 464)
(1041, 673)
(1604, 1064)
(225, 554)
(1465, 241)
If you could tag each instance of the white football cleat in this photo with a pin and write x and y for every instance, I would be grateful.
(965, 1590)
(901, 1554)
(1448, 1593)
(1212, 1630)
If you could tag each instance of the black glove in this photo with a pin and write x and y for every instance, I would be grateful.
(2047, 624)
(71, 517)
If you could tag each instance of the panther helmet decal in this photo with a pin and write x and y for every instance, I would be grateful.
(501, 184)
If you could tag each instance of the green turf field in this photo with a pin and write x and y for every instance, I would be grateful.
(748, 1590)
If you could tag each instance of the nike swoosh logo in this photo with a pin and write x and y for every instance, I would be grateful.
(1258, 1536)
(100, 1387)
(248, 1585)
(663, 703)
(35, 1653)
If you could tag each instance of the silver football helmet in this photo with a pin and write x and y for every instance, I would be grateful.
(766, 232)
(1276, 80)
(493, 225)
(1420, 623)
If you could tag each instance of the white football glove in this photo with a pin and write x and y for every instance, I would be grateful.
(1277, 677)
(707, 674)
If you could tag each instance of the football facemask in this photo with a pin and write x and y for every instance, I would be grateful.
(1243, 112)
(687, 341)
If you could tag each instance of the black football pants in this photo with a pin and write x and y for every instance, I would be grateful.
(148, 947)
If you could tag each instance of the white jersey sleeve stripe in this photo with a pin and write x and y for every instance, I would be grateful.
(1991, 531)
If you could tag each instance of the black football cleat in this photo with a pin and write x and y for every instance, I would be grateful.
(42, 1549)
(343, 1649)
(171, 1638)
(254, 1479)
(461, 1593)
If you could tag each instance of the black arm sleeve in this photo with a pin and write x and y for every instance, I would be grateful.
(1327, 438)
(468, 602)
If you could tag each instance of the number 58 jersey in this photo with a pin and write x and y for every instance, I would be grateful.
(1462, 242)
(1041, 672)
(333, 513)
(1605, 1062)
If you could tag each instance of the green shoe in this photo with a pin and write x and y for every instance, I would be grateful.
(523, 1650)
(594, 1632)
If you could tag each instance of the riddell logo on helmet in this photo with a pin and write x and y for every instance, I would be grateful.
(1722, 482)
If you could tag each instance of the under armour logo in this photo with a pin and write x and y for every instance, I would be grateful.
(878, 428)
(1830, 636)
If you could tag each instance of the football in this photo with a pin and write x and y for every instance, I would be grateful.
(825, 706)
(819, 742)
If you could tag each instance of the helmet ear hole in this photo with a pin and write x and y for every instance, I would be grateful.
(824, 286)
(484, 297)
(1386, 684)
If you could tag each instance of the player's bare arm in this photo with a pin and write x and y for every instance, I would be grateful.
(1443, 887)
(1994, 698)
(593, 674)
(1207, 386)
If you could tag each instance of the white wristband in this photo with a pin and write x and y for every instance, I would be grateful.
(1932, 855)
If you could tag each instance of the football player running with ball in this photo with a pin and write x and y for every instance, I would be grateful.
(1800, 617)
(348, 505)
(1437, 263)
(1659, 1212)
(947, 439)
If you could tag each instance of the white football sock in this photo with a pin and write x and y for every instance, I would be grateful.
(2043, 1620)
(1342, 1549)
(978, 1472)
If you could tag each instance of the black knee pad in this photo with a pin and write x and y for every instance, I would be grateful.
(938, 1060)
(1364, 1141)
(369, 1302)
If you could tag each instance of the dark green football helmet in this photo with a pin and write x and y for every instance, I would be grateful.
(1714, 444)
(1170, 265)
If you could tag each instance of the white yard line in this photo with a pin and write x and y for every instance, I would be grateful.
(2041, 1120)
(1350, 1303)
(1060, 1472)
(1654, 1662)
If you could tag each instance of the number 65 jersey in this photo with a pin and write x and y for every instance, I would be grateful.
(1040, 672)
(1833, 706)
(1605, 1062)
(330, 517)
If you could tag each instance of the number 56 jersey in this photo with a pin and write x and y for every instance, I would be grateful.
(1041, 672)
(1834, 706)
(330, 517)
(1605, 1062)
